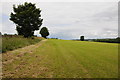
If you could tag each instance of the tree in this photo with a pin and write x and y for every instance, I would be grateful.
(5, 34)
(27, 19)
(82, 38)
(44, 32)
(0, 33)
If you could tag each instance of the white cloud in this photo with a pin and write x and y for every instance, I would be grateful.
(69, 20)
(60, 0)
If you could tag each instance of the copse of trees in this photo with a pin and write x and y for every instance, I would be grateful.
(27, 19)
(44, 32)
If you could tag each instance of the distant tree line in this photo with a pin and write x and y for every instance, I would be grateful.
(54, 38)
(117, 40)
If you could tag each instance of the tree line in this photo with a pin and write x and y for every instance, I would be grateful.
(117, 40)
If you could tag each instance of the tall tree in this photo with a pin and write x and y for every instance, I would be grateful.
(82, 38)
(27, 19)
(44, 32)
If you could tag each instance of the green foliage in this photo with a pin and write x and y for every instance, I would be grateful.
(5, 34)
(44, 32)
(117, 40)
(10, 43)
(27, 19)
(82, 38)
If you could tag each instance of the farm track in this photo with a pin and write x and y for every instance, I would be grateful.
(21, 51)
(11, 56)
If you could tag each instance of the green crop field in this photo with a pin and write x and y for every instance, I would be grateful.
(62, 59)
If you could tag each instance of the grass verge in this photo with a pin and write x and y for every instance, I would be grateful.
(11, 43)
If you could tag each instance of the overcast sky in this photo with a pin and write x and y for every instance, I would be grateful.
(70, 20)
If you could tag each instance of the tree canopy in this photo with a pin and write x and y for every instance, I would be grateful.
(27, 19)
(82, 38)
(44, 32)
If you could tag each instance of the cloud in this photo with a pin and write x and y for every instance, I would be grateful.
(60, 0)
(70, 20)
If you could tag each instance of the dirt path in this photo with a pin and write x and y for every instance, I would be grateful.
(20, 52)
(16, 55)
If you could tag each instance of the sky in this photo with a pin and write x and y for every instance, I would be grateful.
(70, 20)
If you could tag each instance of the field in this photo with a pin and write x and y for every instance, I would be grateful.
(53, 58)
(11, 43)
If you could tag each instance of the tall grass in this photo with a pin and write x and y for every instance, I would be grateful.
(11, 43)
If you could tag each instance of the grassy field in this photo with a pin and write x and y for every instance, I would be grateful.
(11, 43)
(63, 59)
